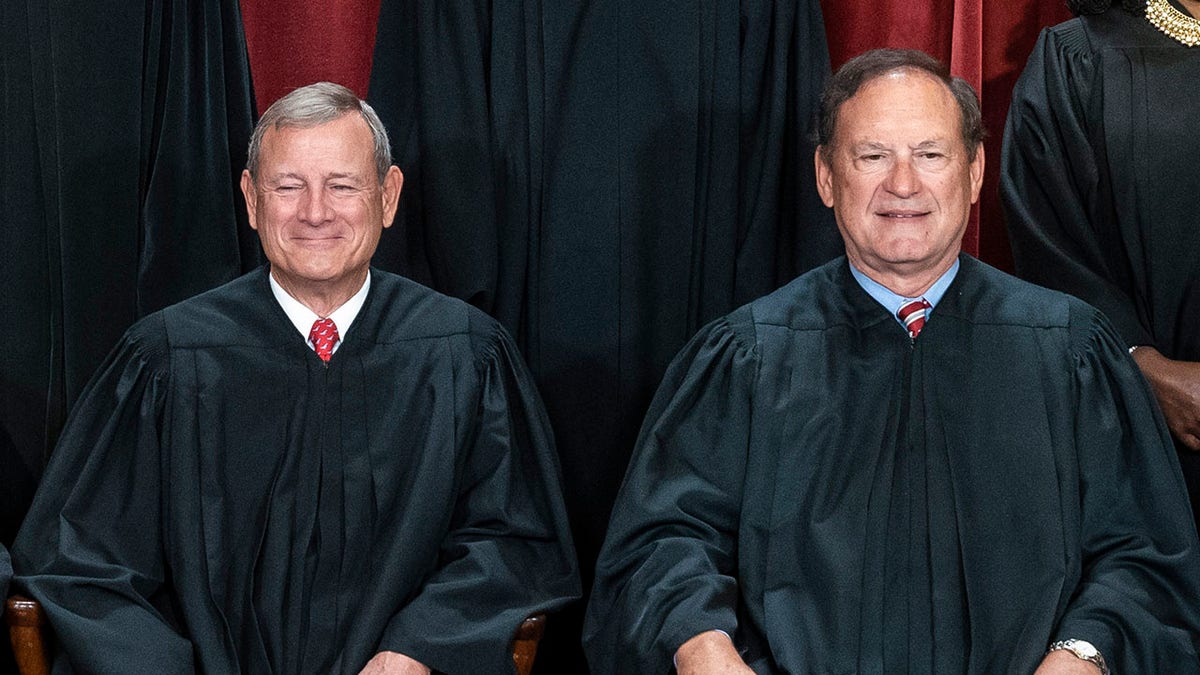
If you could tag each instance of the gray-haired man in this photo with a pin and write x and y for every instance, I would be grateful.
(318, 467)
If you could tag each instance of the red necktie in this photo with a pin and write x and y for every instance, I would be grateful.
(913, 314)
(324, 336)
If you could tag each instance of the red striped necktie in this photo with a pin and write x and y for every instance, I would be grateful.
(324, 336)
(913, 314)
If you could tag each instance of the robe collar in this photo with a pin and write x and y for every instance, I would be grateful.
(891, 301)
(302, 317)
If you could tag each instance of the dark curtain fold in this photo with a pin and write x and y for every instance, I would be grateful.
(124, 131)
(433, 86)
(24, 251)
(604, 177)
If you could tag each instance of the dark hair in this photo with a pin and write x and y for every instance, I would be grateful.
(1080, 7)
(867, 66)
(314, 105)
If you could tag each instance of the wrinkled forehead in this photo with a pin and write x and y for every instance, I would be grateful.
(903, 100)
(347, 135)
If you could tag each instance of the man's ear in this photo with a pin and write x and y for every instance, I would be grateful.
(977, 173)
(393, 183)
(251, 198)
(824, 175)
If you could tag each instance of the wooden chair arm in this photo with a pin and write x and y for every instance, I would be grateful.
(525, 643)
(30, 635)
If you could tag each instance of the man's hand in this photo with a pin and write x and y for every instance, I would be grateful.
(393, 663)
(1176, 385)
(710, 653)
(1063, 662)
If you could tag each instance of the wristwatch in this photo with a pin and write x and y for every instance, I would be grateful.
(1082, 649)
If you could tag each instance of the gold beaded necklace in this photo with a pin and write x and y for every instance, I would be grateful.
(1173, 23)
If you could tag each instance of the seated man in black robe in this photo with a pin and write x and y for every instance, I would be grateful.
(316, 468)
(904, 461)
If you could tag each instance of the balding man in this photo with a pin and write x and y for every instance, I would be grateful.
(904, 461)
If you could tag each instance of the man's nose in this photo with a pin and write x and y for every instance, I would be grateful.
(902, 179)
(314, 207)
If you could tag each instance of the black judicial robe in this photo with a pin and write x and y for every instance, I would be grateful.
(5, 571)
(222, 501)
(1099, 181)
(841, 499)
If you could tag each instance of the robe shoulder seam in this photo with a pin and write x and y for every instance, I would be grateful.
(1088, 329)
(151, 339)
(1072, 38)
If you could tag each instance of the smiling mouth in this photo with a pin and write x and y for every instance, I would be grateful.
(316, 242)
(901, 214)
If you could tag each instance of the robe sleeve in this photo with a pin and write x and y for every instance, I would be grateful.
(5, 571)
(1057, 200)
(508, 553)
(668, 567)
(90, 550)
(1139, 557)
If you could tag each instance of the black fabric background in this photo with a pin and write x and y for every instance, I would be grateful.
(604, 177)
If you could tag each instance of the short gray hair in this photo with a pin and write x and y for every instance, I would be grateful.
(314, 105)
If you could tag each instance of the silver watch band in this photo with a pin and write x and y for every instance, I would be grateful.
(1081, 649)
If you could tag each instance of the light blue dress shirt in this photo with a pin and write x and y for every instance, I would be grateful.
(892, 302)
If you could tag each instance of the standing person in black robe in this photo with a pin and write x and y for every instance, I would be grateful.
(227, 498)
(1099, 198)
(842, 484)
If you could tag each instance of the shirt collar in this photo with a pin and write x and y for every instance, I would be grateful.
(892, 302)
(302, 317)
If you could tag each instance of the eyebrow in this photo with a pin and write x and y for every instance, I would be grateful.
(868, 145)
(876, 145)
(338, 175)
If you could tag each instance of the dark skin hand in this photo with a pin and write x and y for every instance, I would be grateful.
(1176, 385)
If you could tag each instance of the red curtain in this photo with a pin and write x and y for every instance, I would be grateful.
(294, 42)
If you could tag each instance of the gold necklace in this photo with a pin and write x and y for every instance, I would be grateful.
(1173, 23)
